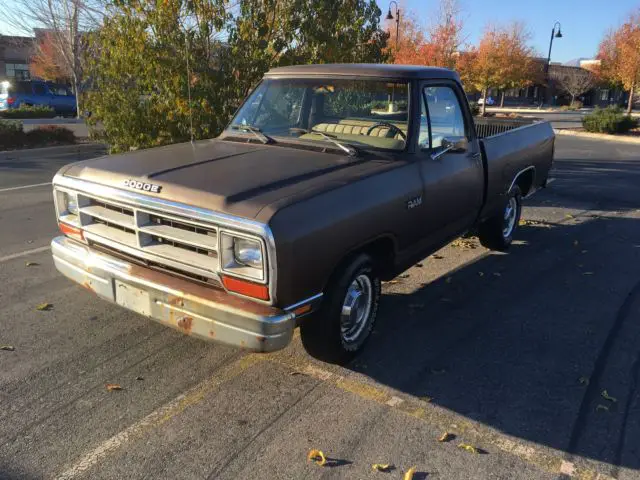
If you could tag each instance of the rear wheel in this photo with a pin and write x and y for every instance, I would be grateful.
(496, 233)
(340, 329)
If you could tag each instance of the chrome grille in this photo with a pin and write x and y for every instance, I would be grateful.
(172, 242)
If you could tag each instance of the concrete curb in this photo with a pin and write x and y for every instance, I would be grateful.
(79, 148)
(598, 136)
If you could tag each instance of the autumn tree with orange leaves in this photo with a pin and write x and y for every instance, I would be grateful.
(47, 62)
(503, 60)
(516, 58)
(437, 45)
(619, 54)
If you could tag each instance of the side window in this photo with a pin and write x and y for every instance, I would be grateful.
(445, 114)
(39, 89)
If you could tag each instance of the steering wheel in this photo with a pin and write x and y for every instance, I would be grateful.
(391, 128)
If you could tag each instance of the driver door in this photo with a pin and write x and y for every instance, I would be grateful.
(450, 162)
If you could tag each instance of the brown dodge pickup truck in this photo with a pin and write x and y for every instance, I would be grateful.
(329, 179)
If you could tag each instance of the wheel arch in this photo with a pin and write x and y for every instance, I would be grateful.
(382, 251)
(524, 179)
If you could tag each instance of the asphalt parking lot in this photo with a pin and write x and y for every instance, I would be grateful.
(532, 357)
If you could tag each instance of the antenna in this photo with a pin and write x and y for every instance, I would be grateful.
(189, 89)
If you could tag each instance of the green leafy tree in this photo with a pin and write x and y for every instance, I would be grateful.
(138, 64)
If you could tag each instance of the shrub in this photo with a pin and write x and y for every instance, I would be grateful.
(27, 111)
(50, 135)
(475, 108)
(609, 120)
(11, 134)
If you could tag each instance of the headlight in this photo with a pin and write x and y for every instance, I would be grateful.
(242, 256)
(247, 252)
(70, 203)
(67, 204)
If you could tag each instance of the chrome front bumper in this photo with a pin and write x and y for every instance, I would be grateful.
(208, 313)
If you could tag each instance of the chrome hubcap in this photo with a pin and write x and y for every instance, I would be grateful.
(509, 217)
(356, 308)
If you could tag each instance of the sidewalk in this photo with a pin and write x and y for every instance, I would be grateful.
(547, 109)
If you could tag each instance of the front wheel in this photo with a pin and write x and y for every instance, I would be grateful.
(496, 233)
(340, 329)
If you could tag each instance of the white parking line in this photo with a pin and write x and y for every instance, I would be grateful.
(24, 254)
(24, 186)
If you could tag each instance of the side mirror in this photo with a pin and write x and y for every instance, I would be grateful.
(453, 145)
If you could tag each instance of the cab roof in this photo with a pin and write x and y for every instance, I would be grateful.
(382, 70)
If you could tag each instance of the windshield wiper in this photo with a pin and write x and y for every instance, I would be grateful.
(256, 131)
(350, 149)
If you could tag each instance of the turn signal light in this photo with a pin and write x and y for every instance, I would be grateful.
(70, 230)
(243, 287)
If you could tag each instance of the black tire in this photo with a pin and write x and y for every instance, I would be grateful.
(493, 232)
(322, 333)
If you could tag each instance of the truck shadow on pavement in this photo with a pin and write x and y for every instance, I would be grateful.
(526, 343)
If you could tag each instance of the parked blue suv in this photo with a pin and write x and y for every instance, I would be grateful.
(35, 92)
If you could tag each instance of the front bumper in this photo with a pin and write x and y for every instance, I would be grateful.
(193, 309)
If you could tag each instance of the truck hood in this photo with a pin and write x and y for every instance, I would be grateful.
(242, 179)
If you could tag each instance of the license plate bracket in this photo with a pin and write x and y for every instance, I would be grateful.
(133, 298)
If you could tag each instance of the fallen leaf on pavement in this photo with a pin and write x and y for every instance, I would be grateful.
(568, 216)
(390, 282)
(419, 265)
(446, 437)
(32, 264)
(382, 467)
(8, 348)
(603, 408)
(464, 244)
(606, 396)
(584, 381)
(139, 377)
(112, 386)
(43, 307)
(426, 398)
(440, 257)
(406, 275)
(317, 456)
(409, 474)
(468, 448)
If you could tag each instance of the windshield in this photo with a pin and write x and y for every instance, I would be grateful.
(361, 113)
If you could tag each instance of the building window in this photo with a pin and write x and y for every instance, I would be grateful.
(604, 94)
(19, 71)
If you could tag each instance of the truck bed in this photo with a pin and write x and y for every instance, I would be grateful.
(511, 147)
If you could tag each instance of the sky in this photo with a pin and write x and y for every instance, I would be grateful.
(584, 22)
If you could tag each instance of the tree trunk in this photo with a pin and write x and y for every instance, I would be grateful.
(76, 91)
(502, 99)
(484, 103)
(630, 103)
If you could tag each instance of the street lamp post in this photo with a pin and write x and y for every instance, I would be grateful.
(397, 17)
(554, 34)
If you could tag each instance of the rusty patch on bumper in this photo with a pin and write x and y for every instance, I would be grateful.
(185, 324)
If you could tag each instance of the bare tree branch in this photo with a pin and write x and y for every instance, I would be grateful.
(573, 80)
